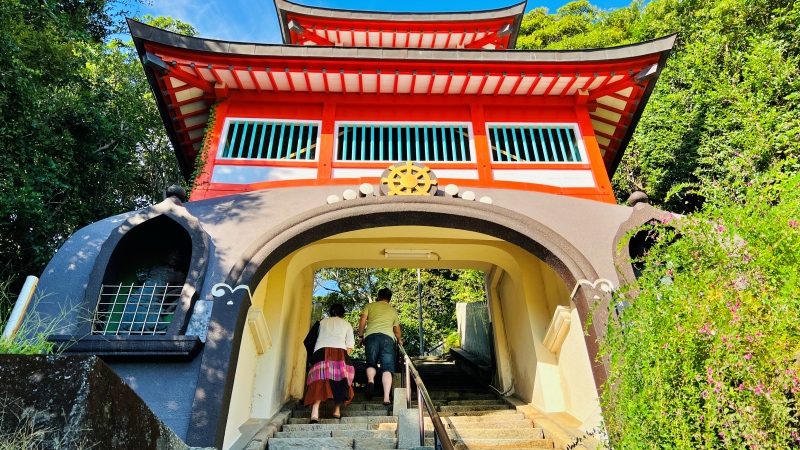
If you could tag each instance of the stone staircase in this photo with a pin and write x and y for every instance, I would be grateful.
(364, 425)
(474, 417)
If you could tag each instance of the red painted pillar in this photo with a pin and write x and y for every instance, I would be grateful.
(482, 153)
(325, 160)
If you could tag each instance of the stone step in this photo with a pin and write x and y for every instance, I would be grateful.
(475, 402)
(374, 443)
(492, 416)
(515, 424)
(305, 434)
(361, 406)
(461, 395)
(306, 420)
(368, 419)
(328, 414)
(496, 433)
(471, 408)
(329, 443)
(327, 427)
(496, 444)
(497, 412)
(365, 434)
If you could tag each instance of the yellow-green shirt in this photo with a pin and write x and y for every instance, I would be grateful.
(381, 318)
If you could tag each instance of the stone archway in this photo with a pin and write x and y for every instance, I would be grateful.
(211, 404)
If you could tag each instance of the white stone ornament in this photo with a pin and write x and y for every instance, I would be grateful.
(349, 194)
(218, 290)
(451, 190)
(468, 195)
(366, 190)
(333, 199)
(487, 200)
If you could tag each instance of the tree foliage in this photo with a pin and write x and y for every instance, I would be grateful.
(79, 132)
(725, 108)
(441, 290)
(708, 353)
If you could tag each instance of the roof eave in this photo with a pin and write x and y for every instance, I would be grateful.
(282, 7)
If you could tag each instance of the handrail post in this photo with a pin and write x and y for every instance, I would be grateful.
(408, 381)
(421, 417)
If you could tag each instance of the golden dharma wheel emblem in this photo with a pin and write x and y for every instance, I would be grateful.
(408, 179)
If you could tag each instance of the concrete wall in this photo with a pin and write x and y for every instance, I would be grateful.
(474, 329)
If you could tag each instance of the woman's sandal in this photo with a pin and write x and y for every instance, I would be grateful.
(336, 416)
(313, 420)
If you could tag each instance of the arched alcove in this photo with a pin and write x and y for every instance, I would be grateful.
(162, 245)
(143, 279)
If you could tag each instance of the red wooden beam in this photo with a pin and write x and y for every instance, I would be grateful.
(552, 85)
(611, 88)
(325, 81)
(236, 78)
(499, 85)
(341, 77)
(430, 84)
(215, 74)
(466, 82)
(396, 79)
(490, 38)
(483, 83)
(190, 79)
(289, 79)
(533, 85)
(449, 36)
(516, 85)
(413, 82)
(253, 79)
(308, 34)
(272, 80)
(360, 83)
(308, 81)
(569, 85)
(449, 79)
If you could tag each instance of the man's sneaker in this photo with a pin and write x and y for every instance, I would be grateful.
(369, 390)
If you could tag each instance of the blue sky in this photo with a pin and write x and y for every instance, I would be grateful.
(255, 20)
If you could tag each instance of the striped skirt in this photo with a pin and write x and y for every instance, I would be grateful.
(331, 377)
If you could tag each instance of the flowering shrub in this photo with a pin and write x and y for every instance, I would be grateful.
(707, 355)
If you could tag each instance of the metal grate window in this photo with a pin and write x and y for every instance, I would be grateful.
(403, 142)
(534, 143)
(135, 310)
(271, 140)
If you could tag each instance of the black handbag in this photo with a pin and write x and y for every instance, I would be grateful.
(311, 340)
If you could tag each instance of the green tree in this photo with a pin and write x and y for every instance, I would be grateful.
(441, 290)
(726, 106)
(79, 133)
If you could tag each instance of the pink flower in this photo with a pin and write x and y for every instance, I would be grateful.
(748, 356)
(793, 223)
(666, 345)
(720, 228)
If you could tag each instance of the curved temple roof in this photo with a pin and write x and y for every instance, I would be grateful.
(326, 26)
(188, 74)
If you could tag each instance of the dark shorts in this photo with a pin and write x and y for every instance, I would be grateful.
(379, 348)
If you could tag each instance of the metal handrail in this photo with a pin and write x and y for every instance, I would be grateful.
(441, 439)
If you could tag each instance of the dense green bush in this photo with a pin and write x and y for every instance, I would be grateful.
(707, 355)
